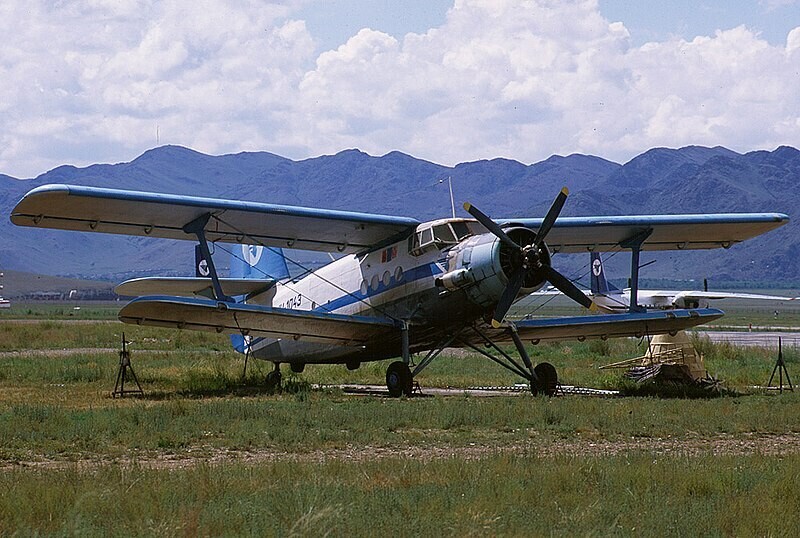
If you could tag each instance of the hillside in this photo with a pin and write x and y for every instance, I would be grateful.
(687, 180)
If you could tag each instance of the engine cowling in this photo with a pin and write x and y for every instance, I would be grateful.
(482, 266)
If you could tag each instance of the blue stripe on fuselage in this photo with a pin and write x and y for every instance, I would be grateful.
(412, 275)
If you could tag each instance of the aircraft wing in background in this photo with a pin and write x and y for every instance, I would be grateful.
(682, 298)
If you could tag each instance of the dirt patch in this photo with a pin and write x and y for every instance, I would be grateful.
(723, 445)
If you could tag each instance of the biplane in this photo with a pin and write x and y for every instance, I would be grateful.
(400, 288)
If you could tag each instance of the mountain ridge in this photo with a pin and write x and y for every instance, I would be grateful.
(693, 179)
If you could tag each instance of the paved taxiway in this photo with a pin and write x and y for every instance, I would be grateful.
(754, 338)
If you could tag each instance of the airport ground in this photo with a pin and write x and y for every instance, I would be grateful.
(204, 452)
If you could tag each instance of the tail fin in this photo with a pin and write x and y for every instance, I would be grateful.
(600, 285)
(256, 261)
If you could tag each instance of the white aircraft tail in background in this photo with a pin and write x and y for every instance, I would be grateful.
(611, 299)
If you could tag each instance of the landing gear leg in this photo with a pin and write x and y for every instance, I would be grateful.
(273, 379)
(398, 379)
(543, 379)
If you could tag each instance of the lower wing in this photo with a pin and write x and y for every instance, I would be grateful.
(605, 326)
(254, 320)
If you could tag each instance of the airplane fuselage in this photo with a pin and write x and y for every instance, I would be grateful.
(433, 283)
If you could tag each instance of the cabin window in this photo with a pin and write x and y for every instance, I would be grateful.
(398, 274)
(387, 278)
(375, 283)
(364, 287)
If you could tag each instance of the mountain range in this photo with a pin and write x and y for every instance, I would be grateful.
(692, 179)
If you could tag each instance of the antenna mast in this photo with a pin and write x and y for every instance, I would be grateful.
(452, 203)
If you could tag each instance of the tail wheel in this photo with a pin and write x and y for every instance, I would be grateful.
(547, 378)
(273, 379)
(398, 379)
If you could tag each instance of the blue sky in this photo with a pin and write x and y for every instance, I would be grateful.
(449, 81)
(332, 22)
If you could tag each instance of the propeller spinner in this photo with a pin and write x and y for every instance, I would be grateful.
(530, 262)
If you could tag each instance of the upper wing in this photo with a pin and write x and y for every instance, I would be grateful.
(607, 325)
(191, 286)
(92, 209)
(254, 320)
(667, 232)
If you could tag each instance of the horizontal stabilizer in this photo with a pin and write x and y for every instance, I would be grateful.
(191, 287)
(254, 320)
(609, 325)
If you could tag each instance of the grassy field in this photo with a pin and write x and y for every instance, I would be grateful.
(207, 453)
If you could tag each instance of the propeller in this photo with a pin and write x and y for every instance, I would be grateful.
(529, 260)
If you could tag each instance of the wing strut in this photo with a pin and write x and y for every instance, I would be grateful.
(635, 244)
(197, 227)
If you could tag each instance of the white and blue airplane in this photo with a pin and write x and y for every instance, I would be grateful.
(400, 287)
(609, 298)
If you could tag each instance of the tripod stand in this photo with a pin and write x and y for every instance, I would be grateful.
(780, 367)
(122, 373)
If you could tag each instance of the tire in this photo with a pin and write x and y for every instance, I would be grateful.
(548, 378)
(398, 379)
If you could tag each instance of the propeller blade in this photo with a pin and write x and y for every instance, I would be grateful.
(552, 215)
(490, 225)
(566, 287)
(507, 299)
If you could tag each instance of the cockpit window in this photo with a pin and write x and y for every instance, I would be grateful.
(444, 235)
(461, 230)
(425, 237)
(439, 237)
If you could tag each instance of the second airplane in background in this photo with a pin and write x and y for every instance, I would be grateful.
(611, 299)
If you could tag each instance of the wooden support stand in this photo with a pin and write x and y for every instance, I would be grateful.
(122, 373)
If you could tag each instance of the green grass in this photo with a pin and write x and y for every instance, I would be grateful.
(327, 462)
(62, 310)
(521, 495)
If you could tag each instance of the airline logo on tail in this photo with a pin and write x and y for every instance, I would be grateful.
(252, 253)
(597, 267)
(600, 285)
(200, 263)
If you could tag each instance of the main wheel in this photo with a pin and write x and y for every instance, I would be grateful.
(273, 379)
(398, 379)
(548, 378)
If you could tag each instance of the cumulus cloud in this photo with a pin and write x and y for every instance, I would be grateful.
(93, 81)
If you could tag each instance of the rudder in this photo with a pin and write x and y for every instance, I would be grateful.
(600, 285)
